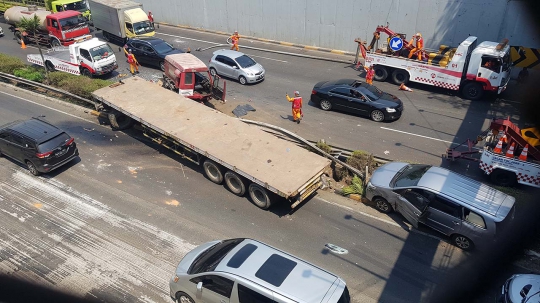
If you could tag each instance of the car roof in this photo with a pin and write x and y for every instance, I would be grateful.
(340, 82)
(304, 283)
(470, 193)
(229, 53)
(37, 129)
(151, 40)
(186, 62)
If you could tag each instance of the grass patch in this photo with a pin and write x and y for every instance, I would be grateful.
(8, 64)
(30, 73)
(323, 146)
(77, 85)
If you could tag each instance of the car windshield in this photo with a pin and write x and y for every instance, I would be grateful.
(374, 90)
(53, 143)
(72, 22)
(101, 52)
(209, 259)
(245, 61)
(409, 175)
(76, 6)
(163, 47)
(143, 27)
(368, 93)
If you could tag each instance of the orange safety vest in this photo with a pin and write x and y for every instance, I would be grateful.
(370, 73)
(131, 58)
(297, 103)
(234, 39)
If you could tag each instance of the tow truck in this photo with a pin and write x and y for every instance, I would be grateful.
(472, 68)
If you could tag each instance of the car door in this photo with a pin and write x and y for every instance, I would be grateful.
(249, 292)
(215, 288)
(6, 143)
(137, 50)
(339, 97)
(150, 54)
(475, 227)
(18, 148)
(232, 68)
(411, 204)
(442, 214)
(359, 103)
(221, 65)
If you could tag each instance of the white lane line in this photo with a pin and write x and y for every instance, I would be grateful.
(360, 212)
(268, 58)
(192, 39)
(431, 138)
(48, 107)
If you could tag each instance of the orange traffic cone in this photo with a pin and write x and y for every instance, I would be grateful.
(405, 88)
(23, 46)
(498, 147)
(523, 155)
(510, 151)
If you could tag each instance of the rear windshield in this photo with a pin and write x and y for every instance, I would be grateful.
(245, 61)
(209, 260)
(410, 175)
(53, 143)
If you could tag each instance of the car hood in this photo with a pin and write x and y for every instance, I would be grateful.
(382, 176)
(254, 69)
(390, 100)
(516, 285)
(188, 259)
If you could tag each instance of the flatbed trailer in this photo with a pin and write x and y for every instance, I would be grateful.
(244, 157)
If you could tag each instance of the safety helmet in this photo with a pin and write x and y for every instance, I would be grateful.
(129, 50)
(418, 35)
(236, 32)
(296, 92)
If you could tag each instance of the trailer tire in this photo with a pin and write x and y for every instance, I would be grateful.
(381, 73)
(49, 66)
(235, 183)
(259, 196)
(213, 171)
(472, 91)
(503, 177)
(119, 121)
(400, 76)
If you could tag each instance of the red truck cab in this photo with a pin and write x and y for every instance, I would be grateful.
(66, 26)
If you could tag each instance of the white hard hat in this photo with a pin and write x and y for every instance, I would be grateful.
(296, 92)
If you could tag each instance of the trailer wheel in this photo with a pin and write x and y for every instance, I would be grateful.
(85, 72)
(49, 66)
(381, 73)
(503, 177)
(235, 183)
(119, 121)
(472, 91)
(400, 76)
(259, 196)
(212, 171)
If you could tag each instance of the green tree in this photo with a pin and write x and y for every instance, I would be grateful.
(31, 27)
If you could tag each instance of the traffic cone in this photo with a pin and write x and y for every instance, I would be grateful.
(510, 151)
(498, 147)
(405, 88)
(523, 155)
(23, 46)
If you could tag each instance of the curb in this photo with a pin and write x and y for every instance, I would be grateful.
(284, 43)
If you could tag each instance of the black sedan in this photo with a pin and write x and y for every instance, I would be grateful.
(150, 50)
(357, 97)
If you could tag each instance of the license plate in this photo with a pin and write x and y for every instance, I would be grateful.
(61, 153)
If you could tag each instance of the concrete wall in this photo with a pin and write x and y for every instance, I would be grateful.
(335, 24)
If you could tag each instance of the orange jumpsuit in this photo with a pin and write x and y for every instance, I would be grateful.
(296, 108)
(418, 47)
(234, 39)
(133, 63)
(370, 72)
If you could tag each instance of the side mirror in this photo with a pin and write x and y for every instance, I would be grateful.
(525, 290)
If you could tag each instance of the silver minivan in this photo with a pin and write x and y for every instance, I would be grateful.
(245, 271)
(236, 65)
(470, 212)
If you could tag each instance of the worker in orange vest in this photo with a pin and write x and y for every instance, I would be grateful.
(370, 72)
(418, 46)
(151, 18)
(235, 38)
(296, 106)
(133, 63)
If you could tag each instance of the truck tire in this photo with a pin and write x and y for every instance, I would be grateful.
(55, 43)
(381, 73)
(259, 196)
(235, 183)
(472, 91)
(49, 66)
(85, 72)
(119, 121)
(400, 76)
(213, 171)
(503, 177)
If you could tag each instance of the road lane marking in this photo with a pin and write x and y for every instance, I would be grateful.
(360, 212)
(192, 39)
(268, 58)
(426, 137)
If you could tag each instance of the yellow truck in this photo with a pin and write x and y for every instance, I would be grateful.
(120, 19)
(53, 6)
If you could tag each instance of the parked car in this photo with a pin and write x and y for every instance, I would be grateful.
(466, 210)
(236, 65)
(41, 146)
(353, 96)
(151, 50)
(520, 288)
(245, 270)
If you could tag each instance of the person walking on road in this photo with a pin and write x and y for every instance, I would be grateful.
(151, 18)
(235, 38)
(296, 106)
(133, 63)
(370, 72)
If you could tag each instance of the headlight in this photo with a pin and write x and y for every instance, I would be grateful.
(250, 74)
(390, 110)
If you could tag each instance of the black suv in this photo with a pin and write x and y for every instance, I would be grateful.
(40, 145)
(150, 50)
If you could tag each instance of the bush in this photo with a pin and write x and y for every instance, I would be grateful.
(77, 85)
(325, 147)
(360, 159)
(30, 73)
(8, 64)
(356, 187)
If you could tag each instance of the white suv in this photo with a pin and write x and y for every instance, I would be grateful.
(236, 65)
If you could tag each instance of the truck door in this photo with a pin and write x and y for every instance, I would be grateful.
(490, 69)
(54, 27)
(130, 33)
(218, 92)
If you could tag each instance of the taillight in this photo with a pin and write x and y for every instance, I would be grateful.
(313, 92)
(43, 155)
(70, 141)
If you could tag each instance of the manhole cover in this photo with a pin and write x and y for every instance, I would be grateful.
(336, 249)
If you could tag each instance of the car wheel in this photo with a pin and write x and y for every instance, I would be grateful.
(234, 183)
(463, 242)
(326, 105)
(381, 73)
(32, 168)
(85, 72)
(49, 66)
(242, 80)
(213, 171)
(400, 76)
(259, 196)
(473, 91)
(503, 177)
(382, 205)
(162, 65)
(213, 72)
(182, 297)
(377, 116)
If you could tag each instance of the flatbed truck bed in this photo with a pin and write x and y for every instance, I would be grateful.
(228, 149)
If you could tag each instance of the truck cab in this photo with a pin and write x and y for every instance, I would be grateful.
(137, 23)
(56, 6)
(66, 27)
(490, 65)
(95, 57)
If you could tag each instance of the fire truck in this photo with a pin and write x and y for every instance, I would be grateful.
(472, 68)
